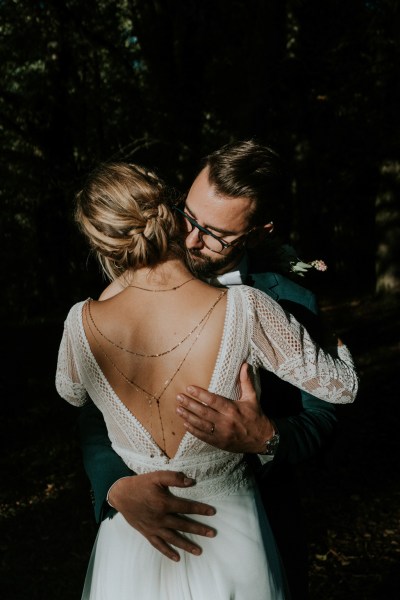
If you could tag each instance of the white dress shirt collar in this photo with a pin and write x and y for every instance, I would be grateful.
(236, 277)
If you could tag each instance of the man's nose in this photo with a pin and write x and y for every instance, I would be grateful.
(193, 239)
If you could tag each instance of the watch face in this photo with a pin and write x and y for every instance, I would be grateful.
(272, 445)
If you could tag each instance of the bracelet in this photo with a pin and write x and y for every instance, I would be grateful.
(110, 488)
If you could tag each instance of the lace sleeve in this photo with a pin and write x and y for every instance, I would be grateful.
(281, 345)
(67, 377)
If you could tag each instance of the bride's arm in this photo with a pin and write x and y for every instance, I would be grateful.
(68, 383)
(281, 345)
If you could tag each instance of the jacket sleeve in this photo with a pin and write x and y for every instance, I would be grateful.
(102, 464)
(303, 435)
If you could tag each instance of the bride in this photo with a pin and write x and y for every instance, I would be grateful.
(133, 353)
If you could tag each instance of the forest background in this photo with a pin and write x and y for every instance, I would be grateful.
(163, 83)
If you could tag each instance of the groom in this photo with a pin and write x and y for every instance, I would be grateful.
(228, 212)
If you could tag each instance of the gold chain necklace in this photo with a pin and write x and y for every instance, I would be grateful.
(167, 290)
(139, 353)
(168, 382)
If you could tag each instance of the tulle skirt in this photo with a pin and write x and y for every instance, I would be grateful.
(240, 563)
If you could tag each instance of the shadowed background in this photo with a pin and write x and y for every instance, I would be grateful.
(163, 83)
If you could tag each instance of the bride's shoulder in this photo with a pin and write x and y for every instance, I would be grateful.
(251, 301)
(254, 295)
(258, 307)
(75, 312)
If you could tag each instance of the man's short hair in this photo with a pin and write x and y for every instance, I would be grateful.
(252, 170)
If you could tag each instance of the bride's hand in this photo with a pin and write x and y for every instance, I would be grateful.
(147, 505)
(234, 426)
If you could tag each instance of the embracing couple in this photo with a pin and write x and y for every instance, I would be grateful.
(168, 367)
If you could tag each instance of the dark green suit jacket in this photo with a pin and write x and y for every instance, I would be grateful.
(304, 422)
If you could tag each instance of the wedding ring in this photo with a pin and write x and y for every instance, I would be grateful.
(212, 429)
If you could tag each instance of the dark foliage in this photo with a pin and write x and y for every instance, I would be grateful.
(163, 83)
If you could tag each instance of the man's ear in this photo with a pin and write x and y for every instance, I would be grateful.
(259, 234)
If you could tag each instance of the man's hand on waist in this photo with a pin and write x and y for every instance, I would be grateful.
(147, 505)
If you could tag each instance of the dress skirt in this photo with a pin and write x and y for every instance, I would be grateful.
(240, 563)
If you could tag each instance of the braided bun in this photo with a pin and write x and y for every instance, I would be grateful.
(124, 212)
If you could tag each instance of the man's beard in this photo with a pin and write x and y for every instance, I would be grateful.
(205, 267)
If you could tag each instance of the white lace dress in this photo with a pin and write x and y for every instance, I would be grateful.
(241, 562)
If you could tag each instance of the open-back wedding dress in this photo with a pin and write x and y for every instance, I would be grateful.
(241, 562)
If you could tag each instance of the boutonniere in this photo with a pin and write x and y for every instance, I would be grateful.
(300, 267)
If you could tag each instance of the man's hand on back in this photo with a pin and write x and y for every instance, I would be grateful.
(234, 426)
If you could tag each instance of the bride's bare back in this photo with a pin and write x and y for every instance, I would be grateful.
(151, 344)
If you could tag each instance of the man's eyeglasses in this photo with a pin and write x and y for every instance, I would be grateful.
(209, 239)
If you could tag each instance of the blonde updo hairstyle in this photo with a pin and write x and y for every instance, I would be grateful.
(124, 211)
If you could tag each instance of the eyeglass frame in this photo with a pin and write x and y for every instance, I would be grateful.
(204, 231)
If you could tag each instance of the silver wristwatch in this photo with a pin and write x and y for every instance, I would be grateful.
(272, 444)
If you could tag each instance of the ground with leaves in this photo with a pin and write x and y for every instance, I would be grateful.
(351, 501)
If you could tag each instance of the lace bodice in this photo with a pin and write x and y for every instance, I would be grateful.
(256, 330)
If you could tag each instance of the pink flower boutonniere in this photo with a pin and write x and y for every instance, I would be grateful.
(300, 268)
(319, 265)
(289, 262)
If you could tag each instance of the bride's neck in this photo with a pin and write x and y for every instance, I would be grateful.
(170, 272)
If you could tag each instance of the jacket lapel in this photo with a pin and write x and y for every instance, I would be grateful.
(266, 282)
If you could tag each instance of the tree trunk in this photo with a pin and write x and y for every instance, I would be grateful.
(388, 229)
